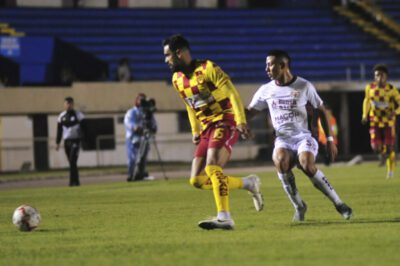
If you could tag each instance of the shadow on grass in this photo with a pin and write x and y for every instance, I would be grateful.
(341, 222)
(55, 230)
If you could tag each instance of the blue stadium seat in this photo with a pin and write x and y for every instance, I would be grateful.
(323, 45)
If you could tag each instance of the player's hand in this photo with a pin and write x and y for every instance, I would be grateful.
(364, 121)
(196, 139)
(57, 147)
(244, 131)
(332, 150)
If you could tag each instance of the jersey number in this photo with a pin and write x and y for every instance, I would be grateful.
(219, 133)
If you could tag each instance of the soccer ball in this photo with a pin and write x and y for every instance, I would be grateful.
(26, 218)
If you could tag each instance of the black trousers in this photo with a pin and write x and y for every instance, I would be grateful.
(72, 151)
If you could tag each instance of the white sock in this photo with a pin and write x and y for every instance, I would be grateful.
(224, 215)
(321, 183)
(247, 184)
(289, 186)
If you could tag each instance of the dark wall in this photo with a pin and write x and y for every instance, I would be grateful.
(40, 143)
(359, 134)
(9, 72)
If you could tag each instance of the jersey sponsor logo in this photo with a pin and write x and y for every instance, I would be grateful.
(200, 100)
(380, 105)
(286, 117)
(284, 104)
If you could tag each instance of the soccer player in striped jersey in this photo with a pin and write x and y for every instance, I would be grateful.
(381, 105)
(217, 118)
(286, 97)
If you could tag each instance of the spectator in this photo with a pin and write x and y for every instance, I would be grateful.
(124, 71)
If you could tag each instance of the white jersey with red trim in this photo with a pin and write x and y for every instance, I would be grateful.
(287, 106)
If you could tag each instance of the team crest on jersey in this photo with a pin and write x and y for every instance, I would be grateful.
(295, 93)
(200, 77)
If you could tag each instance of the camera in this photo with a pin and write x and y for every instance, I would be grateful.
(149, 107)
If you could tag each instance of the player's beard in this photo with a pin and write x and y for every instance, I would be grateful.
(177, 65)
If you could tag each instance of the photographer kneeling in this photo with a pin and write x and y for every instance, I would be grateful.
(140, 127)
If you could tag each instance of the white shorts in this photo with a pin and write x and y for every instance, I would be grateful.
(298, 145)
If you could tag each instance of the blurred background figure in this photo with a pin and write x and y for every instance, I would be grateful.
(322, 137)
(380, 106)
(69, 128)
(124, 73)
(140, 127)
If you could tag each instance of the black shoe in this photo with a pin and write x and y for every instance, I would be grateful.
(344, 210)
(299, 214)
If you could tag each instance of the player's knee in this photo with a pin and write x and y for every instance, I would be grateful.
(281, 162)
(308, 167)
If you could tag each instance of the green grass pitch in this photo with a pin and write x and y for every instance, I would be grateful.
(155, 223)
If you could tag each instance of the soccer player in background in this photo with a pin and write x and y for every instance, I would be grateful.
(381, 105)
(286, 97)
(69, 128)
(217, 117)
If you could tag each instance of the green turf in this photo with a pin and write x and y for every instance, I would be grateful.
(155, 223)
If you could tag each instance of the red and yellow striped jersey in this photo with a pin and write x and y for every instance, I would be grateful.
(209, 96)
(381, 104)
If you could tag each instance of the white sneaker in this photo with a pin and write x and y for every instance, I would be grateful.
(149, 178)
(299, 214)
(215, 223)
(258, 198)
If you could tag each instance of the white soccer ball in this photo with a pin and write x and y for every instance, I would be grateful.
(26, 218)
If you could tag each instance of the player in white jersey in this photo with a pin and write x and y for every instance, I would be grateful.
(286, 97)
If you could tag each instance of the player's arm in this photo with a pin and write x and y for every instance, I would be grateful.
(325, 122)
(191, 115)
(222, 81)
(366, 106)
(238, 109)
(397, 100)
(193, 124)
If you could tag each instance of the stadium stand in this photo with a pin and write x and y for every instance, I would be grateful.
(391, 7)
(324, 46)
(371, 19)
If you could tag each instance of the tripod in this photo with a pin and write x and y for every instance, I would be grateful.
(140, 161)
